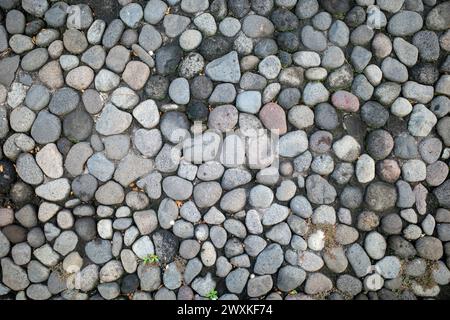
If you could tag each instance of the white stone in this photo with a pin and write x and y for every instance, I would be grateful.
(316, 240)
(422, 121)
(374, 74)
(347, 148)
(50, 161)
(373, 282)
(105, 229)
(401, 107)
(143, 247)
(376, 19)
(306, 59)
(365, 169)
(414, 170)
(147, 114)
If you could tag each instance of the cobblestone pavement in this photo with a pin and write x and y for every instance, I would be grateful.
(225, 149)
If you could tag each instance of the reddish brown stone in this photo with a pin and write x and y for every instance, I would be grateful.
(136, 74)
(15, 233)
(346, 101)
(51, 75)
(274, 118)
(388, 170)
(6, 216)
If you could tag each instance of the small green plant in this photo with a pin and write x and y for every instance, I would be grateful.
(339, 16)
(293, 292)
(151, 259)
(212, 295)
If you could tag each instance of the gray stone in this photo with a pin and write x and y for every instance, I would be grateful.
(236, 280)
(37, 97)
(112, 33)
(259, 285)
(65, 242)
(77, 157)
(46, 255)
(193, 268)
(339, 33)
(131, 15)
(136, 74)
(349, 284)
(394, 70)
(233, 201)
(190, 39)
(147, 114)
(154, 11)
(380, 196)
(167, 59)
(175, 24)
(64, 101)
(50, 161)
(13, 276)
(223, 118)
(406, 52)
(255, 26)
(95, 31)
(100, 167)
(206, 24)
(106, 80)
(110, 193)
(249, 101)
(223, 93)
(149, 38)
(224, 69)
(79, 16)
(319, 191)
(21, 120)
(20, 43)
(149, 276)
(206, 194)
(315, 93)
(179, 91)
(438, 17)
(269, 260)
(177, 188)
(132, 167)
(36, 8)
(52, 76)
(94, 57)
(112, 121)
(270, 67)
(414, 170)
(317, 283)
(360, 58)
(172, 277)
(148, 142)
(3, 39)
(375, 245)
(75, 41)
(28, 170)
(421, 121)
(429, 248)
(405, 23)
(358, 259)
(174, 126)
(204, 285)
(168, 158)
